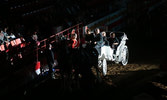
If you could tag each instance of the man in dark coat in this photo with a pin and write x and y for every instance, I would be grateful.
(113, 41)
(98, 40)
(50, 59)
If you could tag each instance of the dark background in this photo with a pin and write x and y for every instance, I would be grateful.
(144, 18)
(145, 25)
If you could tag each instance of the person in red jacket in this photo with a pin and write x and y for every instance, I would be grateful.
(74, 41)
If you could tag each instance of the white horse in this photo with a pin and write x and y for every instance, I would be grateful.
(121, 56)
(106, 55)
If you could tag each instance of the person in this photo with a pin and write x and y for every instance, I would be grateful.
(89, 36)
(50, 59)
(35, 36)
(88, 43)
(5, 33)
(74, 41)
(98, 40)
(113, 41)
(11, 36)
(34, 40)
(1, 37)
(72, 33)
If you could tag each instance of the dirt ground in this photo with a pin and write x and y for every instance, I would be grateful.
(130, 82)
(140, 79)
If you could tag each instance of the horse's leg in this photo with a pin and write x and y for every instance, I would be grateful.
(98, 74)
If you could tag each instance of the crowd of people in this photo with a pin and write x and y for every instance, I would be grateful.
(14, 46)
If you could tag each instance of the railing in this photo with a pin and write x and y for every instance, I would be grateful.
(54, 38)
(77, 27)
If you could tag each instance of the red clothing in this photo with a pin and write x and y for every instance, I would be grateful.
(74, 44)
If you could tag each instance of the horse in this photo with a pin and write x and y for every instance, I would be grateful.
(76, 64)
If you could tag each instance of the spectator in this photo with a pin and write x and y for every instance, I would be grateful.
(35, 36)
(50, 59)
(72, 32)
(1, 36)
(74, 41)
(35, 39)
(11, 36)
(5, 33)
